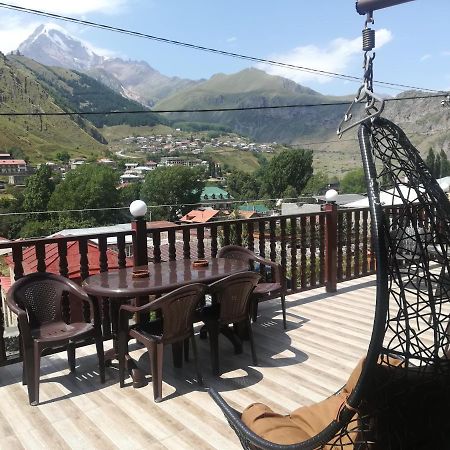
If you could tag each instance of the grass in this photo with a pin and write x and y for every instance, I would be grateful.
(233, 159)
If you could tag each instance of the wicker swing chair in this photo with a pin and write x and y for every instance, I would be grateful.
(402, 397)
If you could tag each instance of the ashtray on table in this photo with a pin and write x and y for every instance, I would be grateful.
(198, 263)
(141, 273)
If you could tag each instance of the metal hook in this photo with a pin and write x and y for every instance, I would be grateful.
(363, 95)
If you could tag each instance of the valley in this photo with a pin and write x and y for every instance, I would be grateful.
(73, 77)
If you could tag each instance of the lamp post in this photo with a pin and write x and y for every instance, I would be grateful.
(330, 209)
(138, 209)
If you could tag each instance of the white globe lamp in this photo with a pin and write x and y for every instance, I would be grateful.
(138, 209)
(331, 196)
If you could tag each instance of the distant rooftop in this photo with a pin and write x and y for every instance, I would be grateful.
(199, 216)
(214, 192)
(261, 209)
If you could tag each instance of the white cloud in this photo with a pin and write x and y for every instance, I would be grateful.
(425, 57)
(13, 32)
(232, 39)
(337, 56)
(77, 7)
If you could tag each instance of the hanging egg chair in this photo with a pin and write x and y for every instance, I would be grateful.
(399, 395)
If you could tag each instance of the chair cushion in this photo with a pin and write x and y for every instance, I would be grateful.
(300, 425)
(307, 421)
(57, 331)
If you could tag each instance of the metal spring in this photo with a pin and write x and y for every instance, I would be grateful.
(368, 39)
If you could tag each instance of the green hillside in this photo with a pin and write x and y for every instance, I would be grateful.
(39, 138)
(233, 159)
(252, 87)
(76, 91)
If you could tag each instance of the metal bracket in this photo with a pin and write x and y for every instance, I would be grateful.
(367, 96)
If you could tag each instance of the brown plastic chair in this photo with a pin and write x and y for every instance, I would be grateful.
(37, 301)
(263, 291)
(173, 326)
(230, 305)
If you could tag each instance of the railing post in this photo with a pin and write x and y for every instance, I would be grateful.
(138, 209)
(331, 246)
(140, 257)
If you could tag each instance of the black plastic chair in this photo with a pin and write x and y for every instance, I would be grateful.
(401, 398)
(264, 290)
(37, 300)
(174, 325)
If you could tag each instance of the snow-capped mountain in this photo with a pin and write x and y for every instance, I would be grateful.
(51, 45)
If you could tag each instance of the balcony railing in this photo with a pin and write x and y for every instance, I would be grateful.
(318, 249)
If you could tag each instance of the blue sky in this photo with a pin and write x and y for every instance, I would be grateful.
(414, 38)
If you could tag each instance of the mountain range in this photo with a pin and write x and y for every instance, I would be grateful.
(51, 45)
(138, 82)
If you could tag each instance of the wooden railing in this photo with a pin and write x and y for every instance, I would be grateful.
(317, 249)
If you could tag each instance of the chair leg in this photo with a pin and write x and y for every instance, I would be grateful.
(122, 349)
(24, 372)
(156, 359)
(28, 370)
(33, 375)
(186, 350)
(100, 355)
(177, 354)
(71, 356)
(283, 309)
(213, 331)
(252, 342)
(197, 365)
(254, 309)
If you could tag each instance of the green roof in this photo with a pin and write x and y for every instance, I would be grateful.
(254, 207)
(214, 192)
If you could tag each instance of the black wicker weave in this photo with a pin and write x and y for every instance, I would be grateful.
(404, 406)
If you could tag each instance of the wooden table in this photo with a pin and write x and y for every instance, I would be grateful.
(164, 277)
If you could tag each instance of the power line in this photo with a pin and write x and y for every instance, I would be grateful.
(204, 110)
(177, 205)
(204, 48)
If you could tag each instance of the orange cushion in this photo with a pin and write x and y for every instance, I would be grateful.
(304, 422)
(307, 421)
(300, 425)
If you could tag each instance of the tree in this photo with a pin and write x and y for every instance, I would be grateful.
(130, 193)
(445, 165)
(291, 167)
(354, 182)
(64, 157)
(179, 187)
(317, 184)
(10, 224)
(431, 161)
(243, 186)
(290, 193)
(38, 190)
(90, 186)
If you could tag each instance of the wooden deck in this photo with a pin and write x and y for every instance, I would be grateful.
(326, 336)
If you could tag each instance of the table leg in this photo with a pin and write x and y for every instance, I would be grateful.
(136, 374)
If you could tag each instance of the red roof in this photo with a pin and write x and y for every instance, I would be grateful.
(5, 284)
(11, 162)
(160, 224)
(199, 216)
(52, 259)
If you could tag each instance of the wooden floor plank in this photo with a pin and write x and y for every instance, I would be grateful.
(327, 334)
